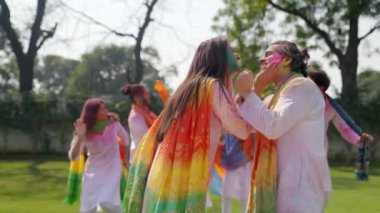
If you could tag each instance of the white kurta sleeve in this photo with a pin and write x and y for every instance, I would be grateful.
(293, 105)
(72, 144)
(137, 127)
(123, 134)
(226, 111)
(345, 130)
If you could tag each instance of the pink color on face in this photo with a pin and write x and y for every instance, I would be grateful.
(275, 58)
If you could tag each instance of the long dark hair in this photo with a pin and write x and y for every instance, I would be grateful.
(299, 58)
(89, 111)
(210, 61)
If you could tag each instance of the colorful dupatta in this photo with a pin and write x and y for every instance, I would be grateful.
(362, 153)
(173, 176)
(262, 196)
(230, 155)
(162, 91)
(74, 180)
(123, 180)
(237, 152)
(218, 172)
(148, 115)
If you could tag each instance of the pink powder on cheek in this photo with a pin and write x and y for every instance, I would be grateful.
(275, 58)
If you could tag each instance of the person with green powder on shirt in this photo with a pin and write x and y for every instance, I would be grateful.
(106, 142)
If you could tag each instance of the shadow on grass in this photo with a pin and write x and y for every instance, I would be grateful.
(35, 180)
(344, 183)
(51, 174)
(37, 157)
(373, 171)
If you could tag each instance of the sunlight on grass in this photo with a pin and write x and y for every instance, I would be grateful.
(33, 187)
(40, 186)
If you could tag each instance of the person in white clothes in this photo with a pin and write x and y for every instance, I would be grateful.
(103, 169)
(321, 79)
(140, 117)
(295, 123)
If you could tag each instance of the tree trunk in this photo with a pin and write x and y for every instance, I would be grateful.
(139, 65)
(348, 69)
(25, 61)
(26, 67)
(348, 66)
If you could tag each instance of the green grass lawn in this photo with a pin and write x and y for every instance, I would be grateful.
(40, 186)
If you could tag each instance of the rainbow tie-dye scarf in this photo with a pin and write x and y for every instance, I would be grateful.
(230, 155)
(173, 176)
(262, 196)
(362, 153)
(74, 181)
(218, 172)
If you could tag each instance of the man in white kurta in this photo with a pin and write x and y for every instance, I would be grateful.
(297, 125)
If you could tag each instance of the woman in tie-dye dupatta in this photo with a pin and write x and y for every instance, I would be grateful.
(107, 143)
(290, 171)
(171, 168)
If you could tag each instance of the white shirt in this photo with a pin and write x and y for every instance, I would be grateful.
(297, 125)
(137, 128)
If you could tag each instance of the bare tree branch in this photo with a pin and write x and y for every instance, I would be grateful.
(139, 39)
(128, 73)
(313, 26)
(25, 61)
(139, 66)
(12, 36)
(93, 20)
(373, 29)
(147, 19)
(36, 28)
(174, 32)
(46, 34)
